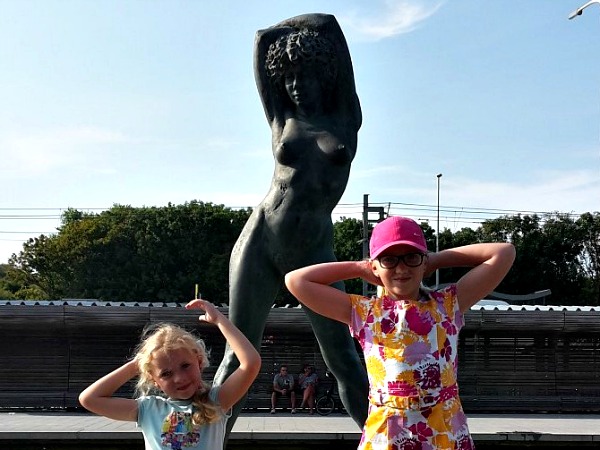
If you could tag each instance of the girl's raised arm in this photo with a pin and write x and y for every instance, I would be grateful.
(311, 286)
(98, 397)
(238, 383)
(490, 261)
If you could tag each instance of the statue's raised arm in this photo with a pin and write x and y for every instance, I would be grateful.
(309, 39)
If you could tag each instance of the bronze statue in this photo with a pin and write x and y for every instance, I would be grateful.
(306, 83)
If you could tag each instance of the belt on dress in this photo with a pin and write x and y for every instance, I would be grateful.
(414, 401)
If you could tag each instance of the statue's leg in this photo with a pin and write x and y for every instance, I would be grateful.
(340, 353)
(253, 286)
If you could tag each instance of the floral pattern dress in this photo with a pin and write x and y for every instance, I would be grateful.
(410, 350)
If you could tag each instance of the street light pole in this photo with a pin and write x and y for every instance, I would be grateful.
(579, 10)
(437, 235)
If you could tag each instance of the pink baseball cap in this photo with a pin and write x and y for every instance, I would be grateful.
(396, 231)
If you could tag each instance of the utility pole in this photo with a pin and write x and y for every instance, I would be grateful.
(365, 241)
(437, 234)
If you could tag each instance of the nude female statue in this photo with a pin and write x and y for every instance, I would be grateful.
(304, 76)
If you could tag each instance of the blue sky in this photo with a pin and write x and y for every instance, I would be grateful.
(144, 103)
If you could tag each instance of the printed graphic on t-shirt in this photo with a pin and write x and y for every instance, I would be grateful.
(178, 431)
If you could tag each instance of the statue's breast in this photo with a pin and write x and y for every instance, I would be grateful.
(303, 140)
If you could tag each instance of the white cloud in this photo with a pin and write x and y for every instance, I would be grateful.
(41, 152)
(466, 201)
(380, 20)
(563, 191)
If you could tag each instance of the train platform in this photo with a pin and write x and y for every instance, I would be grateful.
(36, 426)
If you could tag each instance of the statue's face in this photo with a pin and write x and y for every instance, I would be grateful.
(303, 86)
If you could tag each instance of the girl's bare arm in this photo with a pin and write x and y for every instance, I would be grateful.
(238, 383)
(311, 286)
(490, 261)
(98, 397)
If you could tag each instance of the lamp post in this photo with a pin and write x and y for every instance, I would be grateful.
(437, 235)
(579, 10)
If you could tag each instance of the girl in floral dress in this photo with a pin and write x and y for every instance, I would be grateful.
(409, 334)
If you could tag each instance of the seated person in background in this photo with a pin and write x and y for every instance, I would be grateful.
(283, 384)
(308, 381)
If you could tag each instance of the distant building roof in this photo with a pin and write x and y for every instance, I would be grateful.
(88, 302)
(507, 307)
(485, 305)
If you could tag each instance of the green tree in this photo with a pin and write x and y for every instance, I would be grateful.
(548, 255)
(589, 229)
(466, 236)
(447, 240)
(348, 245)
(137, 254)
(159, 254)
(5, 292)
(348, 239)
(23, 279)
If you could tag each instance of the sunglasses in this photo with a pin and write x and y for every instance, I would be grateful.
(409, 260)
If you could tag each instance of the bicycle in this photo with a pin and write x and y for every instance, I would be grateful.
(327, 403)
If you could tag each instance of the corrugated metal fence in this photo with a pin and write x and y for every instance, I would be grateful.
(517, 360)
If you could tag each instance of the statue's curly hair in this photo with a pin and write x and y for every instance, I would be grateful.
(302, 47)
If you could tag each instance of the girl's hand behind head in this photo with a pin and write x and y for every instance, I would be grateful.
(368, 274)
(211, 313)
(430, 267)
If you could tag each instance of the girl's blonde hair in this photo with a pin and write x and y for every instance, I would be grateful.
(166, 337)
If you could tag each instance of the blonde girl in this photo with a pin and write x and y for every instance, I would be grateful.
(409, 335)
(188, 412)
